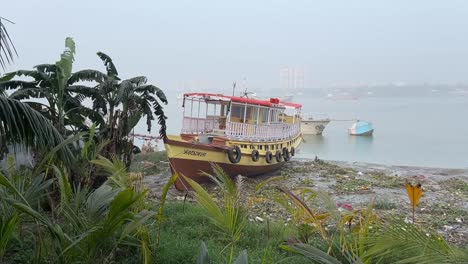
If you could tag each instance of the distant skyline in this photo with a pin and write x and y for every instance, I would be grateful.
(213, 43)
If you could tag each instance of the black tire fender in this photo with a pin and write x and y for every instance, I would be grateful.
(286, 154)
(234, 154)
(292, 152)
(278, 155)
(255, 155)
(268, 157)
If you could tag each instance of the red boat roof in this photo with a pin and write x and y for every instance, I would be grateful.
(273, 102)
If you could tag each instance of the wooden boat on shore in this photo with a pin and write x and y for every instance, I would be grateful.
(244, 136)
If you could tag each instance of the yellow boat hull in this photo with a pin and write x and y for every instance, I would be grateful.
(191, 158)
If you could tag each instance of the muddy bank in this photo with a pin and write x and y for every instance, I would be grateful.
(443, 207)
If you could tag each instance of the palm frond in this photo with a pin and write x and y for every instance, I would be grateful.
(153, 90)
(82, 89)
(7, 48)
(311, 252)
(138, 81)
(125, 88)
(27, 93)
(110, 67)
(164, 192)
(36, 75)
(413, 244)
(158, 111)
(19, 123)
(116, 170)
(46, 68)
(7, 76)
(15, 84)
(87, 75)
(307, 211)
(208, 203)
(64, 65)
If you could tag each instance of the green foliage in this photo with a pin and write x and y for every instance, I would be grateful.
(186, 225)
(93, 224)
(51, 82)
(19, 123)
(230, 217)
(313, 253)
(413, 245)
(117, 174)
(345, 241)
(83, 171)
(7, 49)
(356, 236)
(203, 257)
(384, 204)
(125, 103)
(17, 185)
(122, 103)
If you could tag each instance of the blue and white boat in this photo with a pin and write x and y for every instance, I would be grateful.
(361, 128)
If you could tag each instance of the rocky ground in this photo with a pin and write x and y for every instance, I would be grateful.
(443, 207)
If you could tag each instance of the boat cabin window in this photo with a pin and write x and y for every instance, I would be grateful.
(242, 113)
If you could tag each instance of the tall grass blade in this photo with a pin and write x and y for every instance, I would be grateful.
(242, 258)
(203, 257)
(311, 252)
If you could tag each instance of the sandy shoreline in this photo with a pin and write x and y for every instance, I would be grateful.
(443, 207)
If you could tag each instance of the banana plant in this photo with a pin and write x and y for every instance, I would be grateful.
(56, 84)
(124, 103)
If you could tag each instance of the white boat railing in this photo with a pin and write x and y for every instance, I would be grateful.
(244, 131)
(193, 125)
(261, 132)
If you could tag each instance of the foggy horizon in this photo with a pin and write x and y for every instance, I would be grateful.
(209, 44)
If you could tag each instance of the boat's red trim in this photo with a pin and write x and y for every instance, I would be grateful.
(237, 99)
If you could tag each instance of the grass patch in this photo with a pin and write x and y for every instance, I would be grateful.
(186, 226)
(455, 185)
(380, 179)
(149, 163)
(384, 205)
(332, 169)
(439, 215)
(351, 185)
(290, 170)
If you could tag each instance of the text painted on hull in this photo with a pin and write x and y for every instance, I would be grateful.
(194, 153)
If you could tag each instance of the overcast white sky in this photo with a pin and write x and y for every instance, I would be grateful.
(213, 43)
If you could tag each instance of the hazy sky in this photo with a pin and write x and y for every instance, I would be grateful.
(212, 43)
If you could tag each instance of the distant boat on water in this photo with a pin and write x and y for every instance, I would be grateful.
(361, 128)
(312, 126)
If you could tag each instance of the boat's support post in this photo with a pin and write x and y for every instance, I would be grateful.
(198, 117)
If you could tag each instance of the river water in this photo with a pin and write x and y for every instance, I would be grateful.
(427, 131)
(416, 131)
